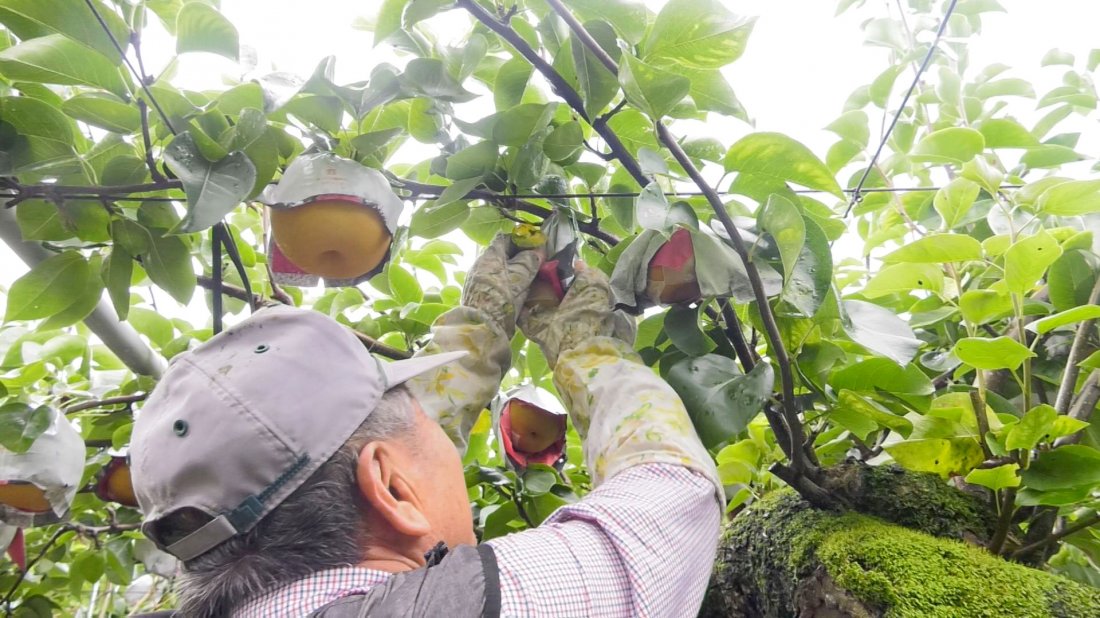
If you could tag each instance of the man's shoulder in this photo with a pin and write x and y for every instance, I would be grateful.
(464, 583)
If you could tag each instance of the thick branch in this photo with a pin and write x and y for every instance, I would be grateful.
(1076, 353)
(1083, 406)
(118, 336)
(239, 293)
(560, 87)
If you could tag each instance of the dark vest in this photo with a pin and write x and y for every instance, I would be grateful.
(465, 583)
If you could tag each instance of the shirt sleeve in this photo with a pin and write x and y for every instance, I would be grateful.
(641, 544)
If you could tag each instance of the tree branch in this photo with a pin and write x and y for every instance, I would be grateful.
(30, 565)
(790, 410)
(736, 337)
(1083, 406)
(559, 86)
(239, 293)
(102, 403)
(1076, 353)
(1081, 524)
(592, 228)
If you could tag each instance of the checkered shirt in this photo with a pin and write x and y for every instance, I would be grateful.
(640, 544)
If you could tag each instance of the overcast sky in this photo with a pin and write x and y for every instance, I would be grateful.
(801, 64)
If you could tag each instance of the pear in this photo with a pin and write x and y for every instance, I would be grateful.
(671, 278)
(331, 238)
(23, 496)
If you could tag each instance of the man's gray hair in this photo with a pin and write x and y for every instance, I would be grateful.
(319, 526)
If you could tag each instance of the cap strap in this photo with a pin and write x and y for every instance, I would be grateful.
(213, 533)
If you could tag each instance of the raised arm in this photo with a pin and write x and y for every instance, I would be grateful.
(495, 289)
(642, 543)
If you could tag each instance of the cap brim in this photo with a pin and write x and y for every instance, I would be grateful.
(401, 371)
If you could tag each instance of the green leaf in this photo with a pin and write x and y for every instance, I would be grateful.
(55, 59)
(118, 269)
(564, 142)
(213, 189)
(1070, 279)
(428, 77)
(433, 220)
(48, 288)
(861, 416)
(783, 221)
(938, 249)
(939, 446)
(472, 162)
(324, 112)
(981, 172)
(21, 424)
(852, 126)
(654, 212)
(992, 353)
(1027, 259)
(103, 110)
(905, 278)
(403, 285)
(720, 400)
(1069, 316)
(682, 328)
(981, 306)
(1007, 133)
(516, 126)
(201, 28)
(954, 200)
(629, 17)
(1033, 428)
(1070, 199)
(879, 330)
(767, 161)
(84, 299)
(596, 83)
(388, 20)
(951, 145)
(1063, 468)
(511, 82)
(700, 34)
(168, 263)
(711, 92)
(651, 89)
(995, 478)
(71, 18)
(878, 376)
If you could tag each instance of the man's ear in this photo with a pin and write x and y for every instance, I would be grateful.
(387, 490)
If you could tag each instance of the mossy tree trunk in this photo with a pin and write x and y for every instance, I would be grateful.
(911, 551)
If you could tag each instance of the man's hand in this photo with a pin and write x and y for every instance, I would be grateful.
(498, 285)
(584, 313)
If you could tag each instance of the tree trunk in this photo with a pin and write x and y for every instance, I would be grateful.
(783, 558)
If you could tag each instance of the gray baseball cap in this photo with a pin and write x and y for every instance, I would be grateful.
(240, 422)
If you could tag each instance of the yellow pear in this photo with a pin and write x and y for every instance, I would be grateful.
(331, 239)
(115, 484)
(24, 496)
(533, 429)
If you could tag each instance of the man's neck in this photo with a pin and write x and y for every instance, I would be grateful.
(391, 560)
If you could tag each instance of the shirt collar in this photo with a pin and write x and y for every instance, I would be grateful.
(306, 595)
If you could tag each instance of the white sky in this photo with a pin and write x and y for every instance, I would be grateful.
(801, 64)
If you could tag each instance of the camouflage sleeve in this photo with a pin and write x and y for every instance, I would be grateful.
(625, 413)
(455, 394)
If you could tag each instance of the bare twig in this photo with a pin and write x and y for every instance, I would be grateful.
(1004, 521)
(1080, 525)
(239, 293)
(103, 403)
(147, 140)
(983, 421)
(736, 337)
(30, 565)
(1083, 406)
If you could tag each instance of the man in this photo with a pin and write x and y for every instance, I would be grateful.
(295, 474)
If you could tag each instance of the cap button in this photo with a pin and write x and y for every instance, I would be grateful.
(180, 427)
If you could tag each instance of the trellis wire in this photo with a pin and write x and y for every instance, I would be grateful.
(858, 191)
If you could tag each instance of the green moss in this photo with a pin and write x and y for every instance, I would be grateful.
(910, 574)
(780, 542)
